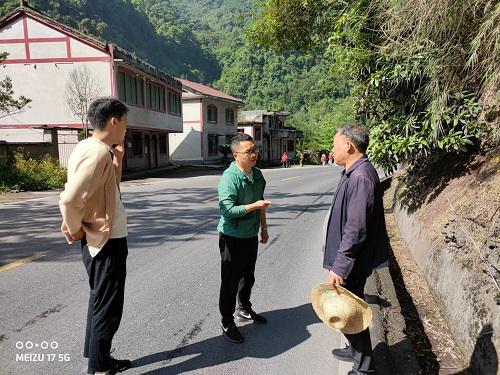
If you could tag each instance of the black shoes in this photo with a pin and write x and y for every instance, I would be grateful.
(119, 365)
(115, 366)
(231, 333)
(245, 315)
(343, 354)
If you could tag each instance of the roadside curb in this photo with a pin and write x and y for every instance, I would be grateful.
(392, 348)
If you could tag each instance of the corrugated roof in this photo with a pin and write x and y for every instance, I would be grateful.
(199, 88)
(256, 116)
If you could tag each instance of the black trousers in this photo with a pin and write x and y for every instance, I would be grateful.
(238, 257)
(107, 271)
(360, 343)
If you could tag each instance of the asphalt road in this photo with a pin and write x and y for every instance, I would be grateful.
(171, 323)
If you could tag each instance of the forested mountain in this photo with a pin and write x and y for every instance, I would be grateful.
(161, 39)
(206, 41)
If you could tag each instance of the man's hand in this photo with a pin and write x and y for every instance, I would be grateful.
(264, 236)
(77, 236)
(334, 280)
(119, 151)
(262, 204)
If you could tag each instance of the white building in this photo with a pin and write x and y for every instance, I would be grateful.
(42, 55)
(209, 120)
(269, 132)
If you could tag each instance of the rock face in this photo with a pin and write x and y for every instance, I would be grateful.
(463, 278)
(491, 251)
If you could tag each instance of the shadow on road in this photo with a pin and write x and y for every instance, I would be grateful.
(287, 328)
(155, 218)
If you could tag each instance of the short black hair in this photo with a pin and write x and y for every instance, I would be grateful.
(102, 109)
(241, 137)
(357, 134)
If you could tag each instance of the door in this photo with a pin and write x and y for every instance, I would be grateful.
(147, 149)
(154, 150)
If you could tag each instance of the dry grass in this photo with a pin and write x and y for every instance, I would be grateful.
(472, 204)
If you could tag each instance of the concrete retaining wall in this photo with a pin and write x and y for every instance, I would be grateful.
(469, 300)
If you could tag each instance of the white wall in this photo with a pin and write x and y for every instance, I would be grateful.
(191, 110)
(45, 83)
(186, 145)
(14, 30)
(22, 135)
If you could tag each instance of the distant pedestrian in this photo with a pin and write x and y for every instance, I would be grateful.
(93, 212)
(356, 239)
(284, 160)
(243, 212)
(323, 159)
(330, 159)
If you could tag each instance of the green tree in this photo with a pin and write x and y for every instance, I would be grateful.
(424, 77)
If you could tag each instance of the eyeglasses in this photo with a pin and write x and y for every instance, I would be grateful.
(252, 152)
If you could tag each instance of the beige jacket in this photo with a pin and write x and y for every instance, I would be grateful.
(88, 200)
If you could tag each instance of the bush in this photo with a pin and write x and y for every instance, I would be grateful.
(21, 172)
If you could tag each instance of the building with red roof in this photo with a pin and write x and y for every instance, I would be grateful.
(209, 120)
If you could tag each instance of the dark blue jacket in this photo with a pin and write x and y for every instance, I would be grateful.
(356, 237)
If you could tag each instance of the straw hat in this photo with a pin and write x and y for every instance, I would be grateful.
(340, 309)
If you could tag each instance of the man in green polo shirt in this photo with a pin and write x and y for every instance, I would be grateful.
(243, 212)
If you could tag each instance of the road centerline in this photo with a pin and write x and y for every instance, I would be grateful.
(20, 262)
(290, 178)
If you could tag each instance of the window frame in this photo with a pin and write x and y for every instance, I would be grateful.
(177, 96)
(214, 108)
(230, 110)
(127, 89)
(162, 88)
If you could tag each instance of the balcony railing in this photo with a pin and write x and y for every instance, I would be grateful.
(286, 133)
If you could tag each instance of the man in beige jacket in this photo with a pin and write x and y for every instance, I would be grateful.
(93, 212)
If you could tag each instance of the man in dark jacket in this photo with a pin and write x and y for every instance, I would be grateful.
(356, 238)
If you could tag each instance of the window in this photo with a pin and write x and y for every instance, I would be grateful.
(136, 144)
(290, 146)
(174, 102)
(130, 88)
(156, 97)
(229, 117)
(241, 130)
(257, 133)
(212, 113)
(212, 145)
(163, 144)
